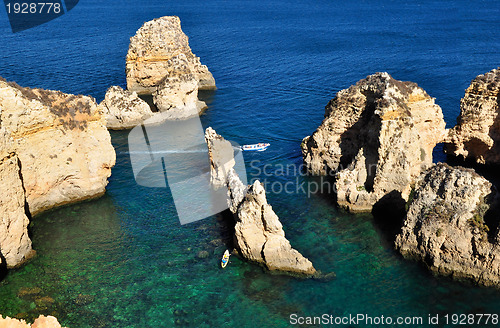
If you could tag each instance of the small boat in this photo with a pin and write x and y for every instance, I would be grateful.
(225, 259)
(255, 147)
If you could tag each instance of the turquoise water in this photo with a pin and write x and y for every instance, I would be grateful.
(125, 261)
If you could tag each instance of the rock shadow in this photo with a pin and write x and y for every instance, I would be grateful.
(148, 98)
(389, 213)
(226, 226)
(358, 136)
(492, 216)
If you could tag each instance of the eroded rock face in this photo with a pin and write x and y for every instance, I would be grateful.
(222, 172)
(177, 94)
(259, 235)
(61, 140)
(41, 322)
(15, 244)
(54, 149)
(377, 136)
(150, 55)
(477, 133)
(124, 109)
(445, 225)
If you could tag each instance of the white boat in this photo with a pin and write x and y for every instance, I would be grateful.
(255, 147)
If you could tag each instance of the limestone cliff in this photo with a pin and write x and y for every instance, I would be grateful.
(150, 54)
(376, 138)
(41, 322)
(62, 143)
(477, 133)
(56, 146)
(124, 109)
(259, 235)
(447, 225)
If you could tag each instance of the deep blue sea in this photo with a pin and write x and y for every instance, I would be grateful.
(124, 260)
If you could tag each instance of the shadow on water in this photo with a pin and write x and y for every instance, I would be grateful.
(3, 267)
(388, 215)
(208, 96)
(226, 228)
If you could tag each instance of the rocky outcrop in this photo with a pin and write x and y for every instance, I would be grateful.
(477, 133)
(151, 52)
(448, 225)
(376, 138)
(41, 322)
(57, 146)
(259, 235)
(124, 109)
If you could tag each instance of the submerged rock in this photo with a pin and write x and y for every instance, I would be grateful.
(477, 133)
(150, 54)
(55, 149)
(377, 136)
(446, 225)
(202, 254)
(83, 299)
(29, 293)
(124, 109)
(259, 235)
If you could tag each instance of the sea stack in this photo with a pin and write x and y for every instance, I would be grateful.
(259, 235)
(54, 150)
(477, 133)
(451, 225)
(160, 63)
(376, 138)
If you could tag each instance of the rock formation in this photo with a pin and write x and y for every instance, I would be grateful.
(124, 109)
(160, 62)
(377, 136)
(41, 322)
(60, 149)
(446, 225)
(150, 52)
(477, 133)
(259, 235)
